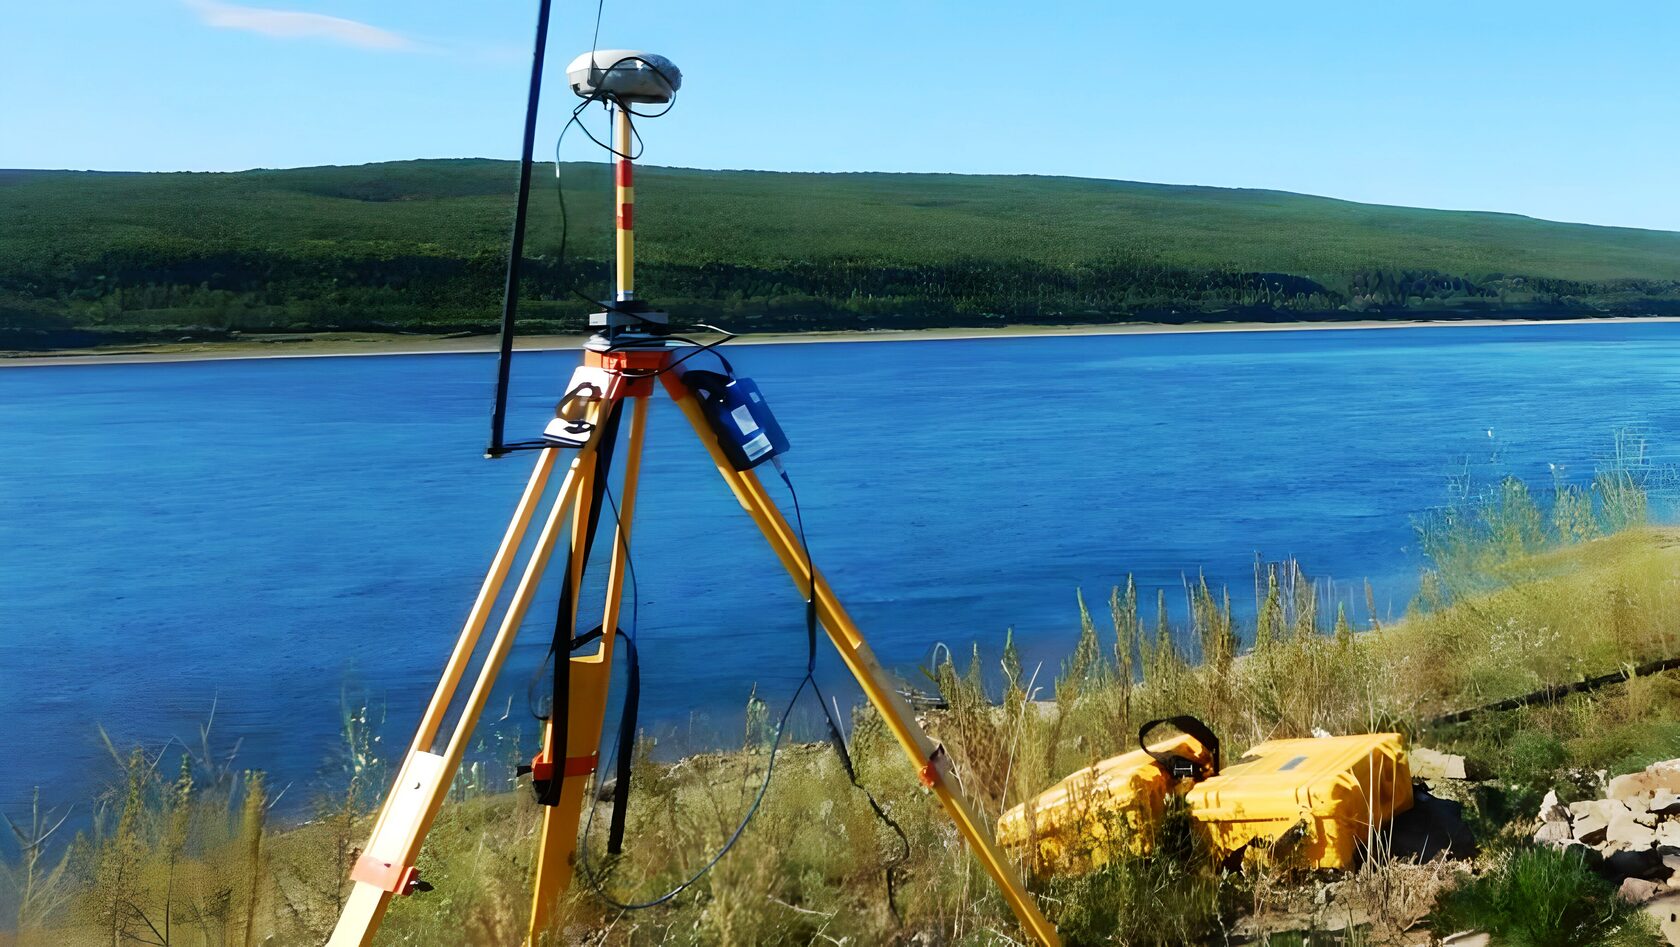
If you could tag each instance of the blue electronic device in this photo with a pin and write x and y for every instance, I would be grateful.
(739, 415)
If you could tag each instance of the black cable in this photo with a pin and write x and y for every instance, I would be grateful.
(510, 289)
(837, 738)
(596, 879)
(698, 348)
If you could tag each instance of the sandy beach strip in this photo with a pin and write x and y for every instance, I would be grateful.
(362, 344)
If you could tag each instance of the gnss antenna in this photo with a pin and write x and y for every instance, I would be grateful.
(624, 78)
(620, 78)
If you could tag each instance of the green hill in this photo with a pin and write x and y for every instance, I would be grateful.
(93, 256)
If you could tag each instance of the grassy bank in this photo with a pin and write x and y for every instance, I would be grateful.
(417, 246)
(1526, 588)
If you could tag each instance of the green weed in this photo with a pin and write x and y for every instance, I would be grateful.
(1542, 897)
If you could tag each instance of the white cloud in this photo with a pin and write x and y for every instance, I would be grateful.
(293, 24)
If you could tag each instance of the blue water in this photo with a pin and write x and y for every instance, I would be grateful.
(276, 536)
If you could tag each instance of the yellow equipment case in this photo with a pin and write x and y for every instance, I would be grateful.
(1079, 823)
(1312, 802)
(1326, 792)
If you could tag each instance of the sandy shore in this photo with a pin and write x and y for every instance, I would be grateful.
(331, 344)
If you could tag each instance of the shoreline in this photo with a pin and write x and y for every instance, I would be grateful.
(365, 344)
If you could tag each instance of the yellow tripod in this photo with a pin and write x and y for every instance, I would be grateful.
(620, 365)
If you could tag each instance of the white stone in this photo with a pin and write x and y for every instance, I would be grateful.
(1551, 810)
(1591, 819)
(1666, 910)
(1671, 861)
(1630, 786)
(1628, 833)
(1664, 775)
(1663, 802)
(1433, 764)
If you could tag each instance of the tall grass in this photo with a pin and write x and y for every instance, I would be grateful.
(1487, 534)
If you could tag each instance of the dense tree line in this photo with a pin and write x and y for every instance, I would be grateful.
(133, 294)
(417, 246)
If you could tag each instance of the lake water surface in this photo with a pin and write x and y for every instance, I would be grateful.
(279, 536)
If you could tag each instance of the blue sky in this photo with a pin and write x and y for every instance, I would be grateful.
(1561, 110)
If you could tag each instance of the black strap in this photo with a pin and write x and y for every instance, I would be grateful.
(708, 386)
(626, 745)
(1176, 765)
(560, 649)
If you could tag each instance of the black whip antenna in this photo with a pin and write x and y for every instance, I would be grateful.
(516, 247)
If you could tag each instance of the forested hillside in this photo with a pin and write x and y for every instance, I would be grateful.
(87, 257)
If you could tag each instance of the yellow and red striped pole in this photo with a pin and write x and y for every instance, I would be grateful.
(625, 193)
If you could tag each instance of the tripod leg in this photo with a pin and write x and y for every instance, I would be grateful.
(591, 676)
(928, 757)
(387, 863)
(480, 614)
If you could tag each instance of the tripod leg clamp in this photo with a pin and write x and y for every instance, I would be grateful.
(542, 773)
(933, 770)
(388, 876)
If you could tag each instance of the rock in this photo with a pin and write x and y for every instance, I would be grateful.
(1640, 814)
(1671, 861)
(1551, 810)
(1630, 786)
(1589, 831)
(1626, 831)
(1633, 863)
(1467, 939)
(1431, 827)
(1663, 802)
(1552, 833)
(1589, 820)
(1588, 827)
(1664, 775)
(1638, 890)
(1666, 910)
(1433, 764)
(1668, 834)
